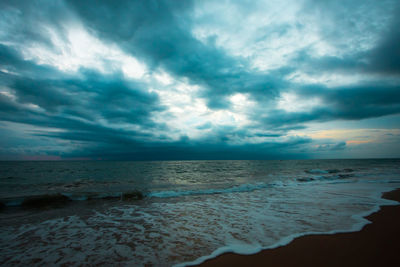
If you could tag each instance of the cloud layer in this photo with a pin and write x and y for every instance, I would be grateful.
(198, 80)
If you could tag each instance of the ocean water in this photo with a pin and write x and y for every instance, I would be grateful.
(91, 213)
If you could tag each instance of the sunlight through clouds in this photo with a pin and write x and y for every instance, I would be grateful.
(76, 48)
(292, 103)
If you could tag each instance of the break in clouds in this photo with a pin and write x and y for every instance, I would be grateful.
(199, 80)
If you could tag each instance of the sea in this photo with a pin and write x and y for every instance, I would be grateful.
(179, 213)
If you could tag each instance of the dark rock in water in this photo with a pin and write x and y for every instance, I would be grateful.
(45, 201)
(110, 198)
(305, 179)
(2, 205)
(133, 195)
(348, 170)
(333, 171)
(344, 176)
(97, 197)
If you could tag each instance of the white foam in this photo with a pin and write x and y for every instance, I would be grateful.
(235, 189)
(251, 250)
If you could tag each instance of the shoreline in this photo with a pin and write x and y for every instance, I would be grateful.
(376, 244)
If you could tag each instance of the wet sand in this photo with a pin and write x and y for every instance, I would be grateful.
(377, 244)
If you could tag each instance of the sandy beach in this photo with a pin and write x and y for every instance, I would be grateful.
(376, 244)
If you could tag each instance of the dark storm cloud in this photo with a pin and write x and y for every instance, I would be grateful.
(74, 104)
(358, 101)
(120, 101)
(167, 41)
(385, 57)
(92, 109)
(13, 62)
(51, 89)
(349, 24)
(332, 147)
(159, 32)
(341, 103)
(194, 149)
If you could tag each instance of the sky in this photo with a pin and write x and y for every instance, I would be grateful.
(176, 80)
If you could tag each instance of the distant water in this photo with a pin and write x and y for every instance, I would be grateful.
(178, 212)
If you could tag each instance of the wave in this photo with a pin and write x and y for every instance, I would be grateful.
(325, 177)
(62, 199)
(329, 171)
(331, 174)
(56, 200)
(235, 189)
